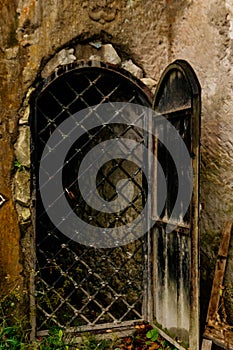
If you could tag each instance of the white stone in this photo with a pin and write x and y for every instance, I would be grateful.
(151, 83)
(25, 110)
(22, 187)
(133, 69)
(24, 119)
(65, 57)
(22, 146)
(110, 55)
(62, 58)
(23, 212)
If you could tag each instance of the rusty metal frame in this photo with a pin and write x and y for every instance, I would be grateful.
(144, 91)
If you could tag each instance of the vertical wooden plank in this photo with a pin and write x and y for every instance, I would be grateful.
(171, 287)
(194, 332)
(178, 98)
(148, 297)
(183, 282)
(172, 275)
(219, 273)
(206, 344)
(160, 275)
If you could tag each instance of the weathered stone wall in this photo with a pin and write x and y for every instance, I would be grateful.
(201, 33)
(38, 34)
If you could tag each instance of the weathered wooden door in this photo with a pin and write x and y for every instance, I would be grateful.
(176, 291)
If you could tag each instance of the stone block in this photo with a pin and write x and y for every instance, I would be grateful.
(63, 57)
(133, 69)
(23, 213)
(22, 146)
(110, 55)
(150, 83)
(22, 187)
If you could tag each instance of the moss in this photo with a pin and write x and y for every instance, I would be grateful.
(210, 239)
(209, 249)
(11, 310)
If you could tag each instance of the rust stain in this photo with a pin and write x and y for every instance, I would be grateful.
(25, 10)
(10, 267)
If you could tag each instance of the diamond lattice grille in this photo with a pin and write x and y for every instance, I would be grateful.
(77, 285)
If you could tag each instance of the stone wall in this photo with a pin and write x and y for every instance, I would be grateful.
(202, 35)
(37, 35)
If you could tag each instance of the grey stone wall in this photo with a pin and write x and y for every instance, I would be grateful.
(202, 35)
(40, 34)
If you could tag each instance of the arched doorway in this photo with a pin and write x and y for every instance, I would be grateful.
(78, 286)
(155, 275)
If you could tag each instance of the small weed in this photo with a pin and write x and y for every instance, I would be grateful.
(10, 338)
(18, 165)
(152, 334)
(54, 340)
(14, 335)
(164, 343)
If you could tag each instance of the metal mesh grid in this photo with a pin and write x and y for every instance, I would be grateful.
(77, 285)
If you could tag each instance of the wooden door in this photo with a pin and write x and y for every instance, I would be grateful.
(176, 253)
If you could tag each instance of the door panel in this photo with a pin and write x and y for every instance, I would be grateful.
(176, 254)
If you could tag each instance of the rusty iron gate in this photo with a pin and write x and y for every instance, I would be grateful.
(77, 286)
(153, 278)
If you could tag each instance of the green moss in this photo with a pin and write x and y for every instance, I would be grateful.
(210, 238)
(9, 305)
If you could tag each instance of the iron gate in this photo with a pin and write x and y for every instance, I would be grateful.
(79, 286)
